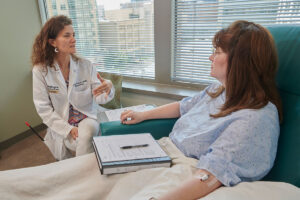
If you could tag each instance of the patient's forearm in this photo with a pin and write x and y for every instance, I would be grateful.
(193, 188)
(166, 111)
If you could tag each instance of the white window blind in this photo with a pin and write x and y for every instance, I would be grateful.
(196, 22)
(117, 36)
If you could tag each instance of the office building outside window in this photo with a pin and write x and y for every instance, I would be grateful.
(116, 36)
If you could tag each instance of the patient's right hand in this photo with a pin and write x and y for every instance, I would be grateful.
(132, 117)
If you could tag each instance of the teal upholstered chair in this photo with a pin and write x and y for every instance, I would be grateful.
(287, 163)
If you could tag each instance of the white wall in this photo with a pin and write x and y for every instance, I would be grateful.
(20, 22)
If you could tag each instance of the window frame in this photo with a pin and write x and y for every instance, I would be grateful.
(164, 33)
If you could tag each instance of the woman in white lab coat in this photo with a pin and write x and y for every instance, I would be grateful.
(66, 90)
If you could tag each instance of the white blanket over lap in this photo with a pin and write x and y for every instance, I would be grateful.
(80, 178)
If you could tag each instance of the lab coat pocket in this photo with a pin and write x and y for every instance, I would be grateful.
(81, 88)
(57, 99)
(82, 98)
(81, 85)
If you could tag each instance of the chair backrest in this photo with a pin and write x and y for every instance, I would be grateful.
(287, 163)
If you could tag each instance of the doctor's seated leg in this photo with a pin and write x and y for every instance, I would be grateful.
(87, 128)
(71, 144)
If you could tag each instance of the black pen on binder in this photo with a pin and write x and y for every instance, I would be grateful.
(27, 124)
(134, 146)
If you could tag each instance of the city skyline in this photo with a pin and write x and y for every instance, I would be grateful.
(112, 5)
(112, 34)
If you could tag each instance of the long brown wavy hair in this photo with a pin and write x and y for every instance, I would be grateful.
(251, 70)
(42, 52)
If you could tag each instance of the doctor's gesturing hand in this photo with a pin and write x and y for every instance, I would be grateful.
(105, 87)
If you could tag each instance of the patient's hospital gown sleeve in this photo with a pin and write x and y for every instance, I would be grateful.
(246, 149)
(187, 103)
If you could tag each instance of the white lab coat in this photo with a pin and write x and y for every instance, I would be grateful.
(52, 99)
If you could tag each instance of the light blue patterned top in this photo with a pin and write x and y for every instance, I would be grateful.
(238, 147)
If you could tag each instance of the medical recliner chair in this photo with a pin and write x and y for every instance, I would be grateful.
(287, 163)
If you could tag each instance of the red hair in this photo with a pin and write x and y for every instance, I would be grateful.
(252, 66)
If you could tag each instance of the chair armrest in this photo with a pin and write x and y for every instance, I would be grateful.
(157, 127)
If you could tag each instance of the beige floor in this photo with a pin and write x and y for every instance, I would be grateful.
(29, 152)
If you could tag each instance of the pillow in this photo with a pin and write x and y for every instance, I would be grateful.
(117, 82)
(256, 190)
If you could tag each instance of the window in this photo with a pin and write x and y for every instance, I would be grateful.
(104, 34)
(122, 35)
(196, 21)
(63, 7)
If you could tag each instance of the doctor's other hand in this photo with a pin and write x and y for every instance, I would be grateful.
(74, 133)
(132, 117)
(105, 87)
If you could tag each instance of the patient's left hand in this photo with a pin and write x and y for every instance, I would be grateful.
(132, 117)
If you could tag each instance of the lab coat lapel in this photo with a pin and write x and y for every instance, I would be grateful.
(56, 70)
(72, 75)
